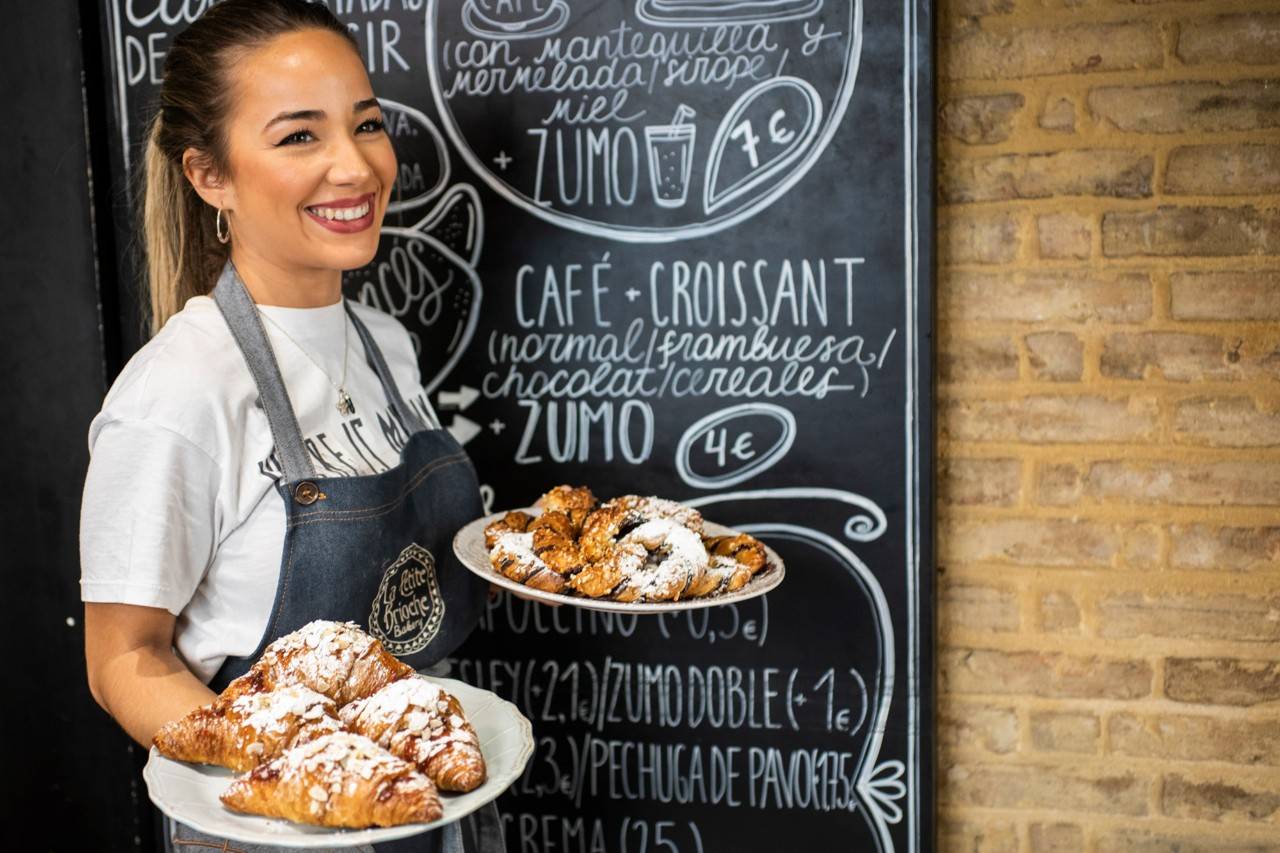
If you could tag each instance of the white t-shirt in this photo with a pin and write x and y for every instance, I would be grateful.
(180, 508)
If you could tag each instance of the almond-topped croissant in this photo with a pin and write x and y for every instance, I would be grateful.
(251, 729)
(339, 780)
(419, 722)
(334, 658)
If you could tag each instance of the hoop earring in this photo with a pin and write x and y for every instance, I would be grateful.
(217, 225)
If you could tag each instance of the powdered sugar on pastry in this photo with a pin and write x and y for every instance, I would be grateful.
(678, 555)
(319, 654)
(654, 507)
(273, 712)
(334, 756)
(513, 556)
(410, 708)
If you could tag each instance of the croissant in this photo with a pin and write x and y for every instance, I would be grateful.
(251, 729)
(334, 658)
(339, 780)
(421, 723)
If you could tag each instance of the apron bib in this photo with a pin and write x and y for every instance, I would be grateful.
(376, 549)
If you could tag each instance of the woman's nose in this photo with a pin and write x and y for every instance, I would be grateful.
(350, 165)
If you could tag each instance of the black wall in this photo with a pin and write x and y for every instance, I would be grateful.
(70, 781)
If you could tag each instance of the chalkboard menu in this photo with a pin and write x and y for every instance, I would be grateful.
(673, 247)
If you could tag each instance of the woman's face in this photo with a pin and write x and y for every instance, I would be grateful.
(284, 167)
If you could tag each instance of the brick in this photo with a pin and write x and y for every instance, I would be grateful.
(1059, 484)
(1175, 356)
(1239, 618)
(1058, 115)
(1064, 236)
(1005, 786)
(978, 238)
(980, 119)
(1250, 39)
(1243, 295)
(1040, 419)
(1185, 483)
(1189, 106)
(1226, 422)
(1055, 356)
(1191, 231)
(1185, 737)
(978, 608)
(976, 482)
(1223, 170)
(1062, 731)
(1226, 549)
(1059, 612)
(1104, 172)
(1222, 681)
(1072, 297)
(1032, 542)
(1032, 52)
(978, 359)
(1186, 841)
(1049, 674)
(1056, 838)
(967, 726)
(1233, 801)
(1141, 548)
(978, 838)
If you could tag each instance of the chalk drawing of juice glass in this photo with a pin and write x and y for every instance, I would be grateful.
(670, 149)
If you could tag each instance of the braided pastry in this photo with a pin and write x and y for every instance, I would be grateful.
(631, 548)
(574, 502)
(513, 522)
(513, 557)
(734, 560)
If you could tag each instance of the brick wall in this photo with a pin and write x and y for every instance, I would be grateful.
(1109, 425)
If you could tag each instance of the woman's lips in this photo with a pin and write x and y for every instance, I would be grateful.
(345, 226)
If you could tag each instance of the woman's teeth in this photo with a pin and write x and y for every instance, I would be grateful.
(342, 213)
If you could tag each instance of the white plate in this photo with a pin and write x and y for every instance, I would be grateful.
(189, 792)
(469, 545)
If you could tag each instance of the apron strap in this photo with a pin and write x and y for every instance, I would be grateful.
(408, 417)
(246, 327)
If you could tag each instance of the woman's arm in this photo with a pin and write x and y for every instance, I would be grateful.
(133, 672)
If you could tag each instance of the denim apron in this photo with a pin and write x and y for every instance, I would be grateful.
(374, 549)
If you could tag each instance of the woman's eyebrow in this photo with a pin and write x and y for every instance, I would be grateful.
(316, 115)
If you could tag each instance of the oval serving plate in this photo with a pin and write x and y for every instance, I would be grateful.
(469, 545)
(188, 793)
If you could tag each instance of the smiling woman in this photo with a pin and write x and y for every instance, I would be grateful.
(248, 473)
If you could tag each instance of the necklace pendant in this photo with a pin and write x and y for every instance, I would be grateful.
(345, 406)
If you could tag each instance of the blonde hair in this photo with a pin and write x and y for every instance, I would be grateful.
(183, 253)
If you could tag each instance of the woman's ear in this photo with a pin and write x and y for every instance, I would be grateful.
(205, 179)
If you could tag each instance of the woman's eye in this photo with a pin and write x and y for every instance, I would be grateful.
(375, 125)
(288, 139)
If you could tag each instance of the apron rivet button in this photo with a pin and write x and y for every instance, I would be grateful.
(307, 493)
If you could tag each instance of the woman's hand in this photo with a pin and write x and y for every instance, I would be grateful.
(133, 672)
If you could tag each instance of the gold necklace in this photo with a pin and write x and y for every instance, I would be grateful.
(345, 406)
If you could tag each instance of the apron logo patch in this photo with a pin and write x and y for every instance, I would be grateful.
(408, 609)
